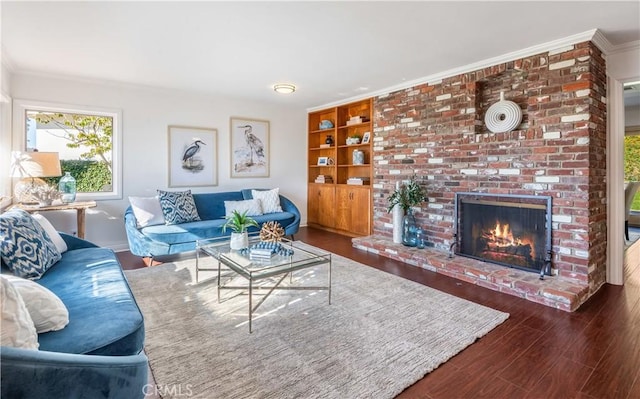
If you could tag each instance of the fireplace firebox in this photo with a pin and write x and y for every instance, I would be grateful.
(509, 230)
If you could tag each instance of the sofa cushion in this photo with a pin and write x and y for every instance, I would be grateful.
(178, 207)
(185, 232)
(25, 247)
(46, 310)
(211, 205)
(17, 329)
(284, 218)
(104, 318)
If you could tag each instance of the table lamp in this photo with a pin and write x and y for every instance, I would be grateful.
(30, 167)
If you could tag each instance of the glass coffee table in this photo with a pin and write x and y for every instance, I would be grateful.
(292, 258)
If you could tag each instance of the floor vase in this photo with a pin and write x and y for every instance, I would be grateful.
(409, 229)
(397, 215)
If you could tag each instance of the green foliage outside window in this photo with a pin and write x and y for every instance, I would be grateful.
(632, 164)
(91, 176)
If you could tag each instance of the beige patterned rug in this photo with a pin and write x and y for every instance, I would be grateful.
(380, 334)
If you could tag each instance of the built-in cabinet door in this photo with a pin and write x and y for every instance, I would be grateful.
(361, 215)
(321, 200)
(353, 206)
(343, 208)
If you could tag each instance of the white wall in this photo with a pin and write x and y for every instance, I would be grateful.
(5, 134)
(146, 113)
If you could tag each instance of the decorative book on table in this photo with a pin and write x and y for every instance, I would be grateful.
(264, 250)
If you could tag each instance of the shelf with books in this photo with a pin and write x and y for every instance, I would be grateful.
(340, 174)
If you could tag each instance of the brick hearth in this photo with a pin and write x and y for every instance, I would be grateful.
(552, 291)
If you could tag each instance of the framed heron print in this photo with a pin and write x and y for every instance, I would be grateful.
(249, 147)
(193, 153)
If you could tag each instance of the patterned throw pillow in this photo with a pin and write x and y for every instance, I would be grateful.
(270, 200)
(252, 207)
(57, 239)
(24, 245)
(178, 207)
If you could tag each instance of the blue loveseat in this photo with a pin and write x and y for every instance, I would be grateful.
(99, 354)
(157, 240)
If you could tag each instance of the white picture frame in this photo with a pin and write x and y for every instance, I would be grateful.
(366, 138)
(249, 147)
(193, 156)
(323, 161)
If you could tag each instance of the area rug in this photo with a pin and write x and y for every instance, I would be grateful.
(380, 334)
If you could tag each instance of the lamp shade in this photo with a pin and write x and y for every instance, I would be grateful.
(35, 164)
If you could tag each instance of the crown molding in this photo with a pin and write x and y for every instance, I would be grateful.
(514, 55)
(600, 40)
(624, 47)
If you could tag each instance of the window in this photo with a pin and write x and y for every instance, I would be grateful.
(632, 165)
(87, 141)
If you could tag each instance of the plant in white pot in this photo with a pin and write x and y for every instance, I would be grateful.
(239, 223)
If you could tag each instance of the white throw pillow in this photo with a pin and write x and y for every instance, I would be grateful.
(147, 210)
(253, 207)
(270, 200)
(53, 233)
(47, 311)
(16, 327)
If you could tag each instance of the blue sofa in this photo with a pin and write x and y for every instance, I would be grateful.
(157, 240)
(99, 354)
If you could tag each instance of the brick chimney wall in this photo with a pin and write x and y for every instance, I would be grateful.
(436, 131)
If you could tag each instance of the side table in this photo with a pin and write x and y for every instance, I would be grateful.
(79, 207)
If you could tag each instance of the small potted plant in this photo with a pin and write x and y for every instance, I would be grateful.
(407, 196)
(354, 139)
(239, 223)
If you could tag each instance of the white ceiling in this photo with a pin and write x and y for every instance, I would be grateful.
(330, 50)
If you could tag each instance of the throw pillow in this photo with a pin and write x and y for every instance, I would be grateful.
(147, 210)
(53, 233)
(47, 311)
(270, 200)
(16, 327)
(24, 245)
(252, 207)
(178, 207)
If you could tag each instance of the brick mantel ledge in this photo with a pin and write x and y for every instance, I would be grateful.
(552, 291)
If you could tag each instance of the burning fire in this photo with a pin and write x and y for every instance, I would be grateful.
(503, 233)
(501, 236)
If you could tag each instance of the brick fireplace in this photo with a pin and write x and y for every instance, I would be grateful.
(436, 131)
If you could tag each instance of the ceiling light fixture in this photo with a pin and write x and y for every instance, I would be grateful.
(284, 88)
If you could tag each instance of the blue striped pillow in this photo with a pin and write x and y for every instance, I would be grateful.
(178, 207)
(24, 245)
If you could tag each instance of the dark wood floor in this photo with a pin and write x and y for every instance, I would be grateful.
(538, 352)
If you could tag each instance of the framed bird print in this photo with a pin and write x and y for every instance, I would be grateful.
(249, 147)
(193, 156)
